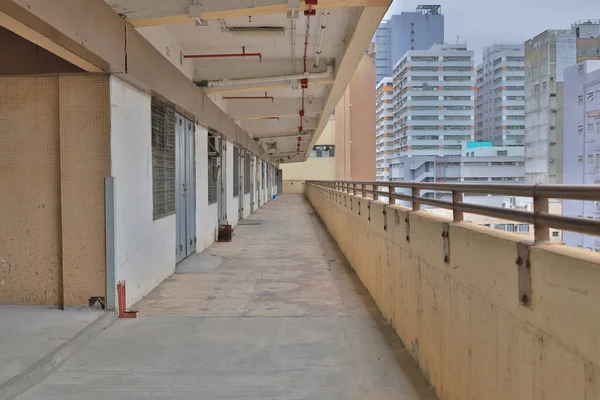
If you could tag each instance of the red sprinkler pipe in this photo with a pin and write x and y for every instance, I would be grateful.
(251, 98)
(242, 54)
(307, 14)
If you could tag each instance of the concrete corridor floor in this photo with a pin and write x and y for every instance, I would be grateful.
(275, 314)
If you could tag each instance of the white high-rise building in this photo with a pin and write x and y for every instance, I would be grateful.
(384, 127)
(433, 104)
(500, 100)
(581, 144)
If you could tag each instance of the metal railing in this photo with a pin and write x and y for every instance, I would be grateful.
(540, 218)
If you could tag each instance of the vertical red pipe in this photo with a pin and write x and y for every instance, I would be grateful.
(300, 128)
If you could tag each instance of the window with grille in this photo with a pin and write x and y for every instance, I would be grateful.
(163, 160)
(236, 172)
(213, 168)
(247, 174)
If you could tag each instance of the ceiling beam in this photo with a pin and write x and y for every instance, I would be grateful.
(209, 69)
(261, 87)
(142, 13)
(260, 126)
(242, 110)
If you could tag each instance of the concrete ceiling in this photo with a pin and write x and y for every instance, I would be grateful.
(277, 30)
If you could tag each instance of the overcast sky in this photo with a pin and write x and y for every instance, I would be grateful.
(483, 22)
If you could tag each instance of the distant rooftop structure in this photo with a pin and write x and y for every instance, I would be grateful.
(585, 22)
(430, 9)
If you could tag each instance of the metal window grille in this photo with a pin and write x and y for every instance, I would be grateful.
(213, 168)
(247, 174)
(236, 172)
(212, 182)
(163, 160)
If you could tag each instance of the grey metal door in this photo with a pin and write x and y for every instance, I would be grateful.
(240, 172)
(222, 183)
(279, 181)
(252, 176)
(185, 188)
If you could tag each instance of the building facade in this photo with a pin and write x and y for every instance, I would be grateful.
(355, 125)
(433, 104)
(546, 57)
(417, 30)
(384, 128)
(581, 144)
(500, 100)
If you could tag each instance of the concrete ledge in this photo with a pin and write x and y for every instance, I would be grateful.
(455, 300)
(39, 370)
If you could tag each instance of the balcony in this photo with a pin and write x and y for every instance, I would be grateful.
(434, 279)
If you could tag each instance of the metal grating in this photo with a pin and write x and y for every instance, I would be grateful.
(163, 160)
(236, 172)
(213, 168)
(247, 174)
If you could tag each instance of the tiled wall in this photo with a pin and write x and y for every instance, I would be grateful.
(54, 155)
(30, 229)
(84, 162)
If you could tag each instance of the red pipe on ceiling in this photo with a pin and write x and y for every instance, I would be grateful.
(305, 84)
(226, 55)
(251, 98)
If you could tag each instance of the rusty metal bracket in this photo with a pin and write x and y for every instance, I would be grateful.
(358, 207)
(384, 219)
(524, 272)
(446, 236)
(345, 201)
(407, 220)
(351, 208)
(369, 208)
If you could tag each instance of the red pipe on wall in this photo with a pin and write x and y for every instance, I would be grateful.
(225, 55)
(251, 98)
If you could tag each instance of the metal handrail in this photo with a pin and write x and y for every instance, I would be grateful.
(540, 218)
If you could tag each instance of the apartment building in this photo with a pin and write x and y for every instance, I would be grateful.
(500, 99)
(581, 144)
(384, 128)
(546, 57)
(433, 104)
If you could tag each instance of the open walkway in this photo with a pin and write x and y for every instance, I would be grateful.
(275, 314)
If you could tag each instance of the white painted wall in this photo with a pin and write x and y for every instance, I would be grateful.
(145, 249)
(207, 219)
(232, 202)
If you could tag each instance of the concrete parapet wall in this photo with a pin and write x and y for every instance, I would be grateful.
(293, 187)
(463, 321)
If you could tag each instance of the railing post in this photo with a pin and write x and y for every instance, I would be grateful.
(416, 192)
(353, 188)
(390, 200)
(362, 189)
(458, 215)
(375, 188)
(540, 205)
